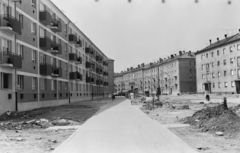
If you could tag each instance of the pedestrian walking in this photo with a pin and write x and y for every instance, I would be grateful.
(132, 96)
(113, 97)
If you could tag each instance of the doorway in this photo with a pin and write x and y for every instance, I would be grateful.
(237, 83)
(208, 87)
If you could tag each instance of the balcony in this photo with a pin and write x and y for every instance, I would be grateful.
(56, 48)
(45, 43)
(10, 24)
(10, 60)
(75, 76)
(46, 69)
(79, 60)
(97, 82)
(45, 18)
(72, 56)
(88, 50)
(72, 38)
(56, 72)
(78, 44)
(56, 26)
(88, 79)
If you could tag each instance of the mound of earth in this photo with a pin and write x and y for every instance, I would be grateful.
(214, 119)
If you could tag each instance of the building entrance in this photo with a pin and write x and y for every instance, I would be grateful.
(237, 84)
(208, 87)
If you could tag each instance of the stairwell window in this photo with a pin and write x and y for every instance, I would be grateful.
(34, 56)
(20, 82)
(34, 81)
(33, 28)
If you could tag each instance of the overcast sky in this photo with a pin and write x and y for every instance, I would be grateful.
(145, 30)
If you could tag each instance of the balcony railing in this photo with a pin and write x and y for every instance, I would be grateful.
(10, 24)
(79, 60)
(72, 56)
(56, 25)
(10, 60)
(45, 17)
(72, 38)
(45, 43)
(88, 50)
(45, 69)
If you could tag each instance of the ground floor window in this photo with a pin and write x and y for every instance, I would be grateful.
(225, 84)
(232, 83)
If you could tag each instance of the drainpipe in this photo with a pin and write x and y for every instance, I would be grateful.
(69, 94)
(15, 45)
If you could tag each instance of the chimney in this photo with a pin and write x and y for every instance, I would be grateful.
(161, 60)
(180, 53)
(210, 41)
(138, 65)
(183, 51)
(172, 56)
(189, 53)
(218, 39)
(131, 68)
(127, 69)
(142, 65)
(151, 64)
(226, 36)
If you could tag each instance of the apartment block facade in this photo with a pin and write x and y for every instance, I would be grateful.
(45, 60)
(174, 75)
(218, 66)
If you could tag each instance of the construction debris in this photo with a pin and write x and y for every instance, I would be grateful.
(215, 119)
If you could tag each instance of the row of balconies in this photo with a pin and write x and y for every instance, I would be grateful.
(10, 24)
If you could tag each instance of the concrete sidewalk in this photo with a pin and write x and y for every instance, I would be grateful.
(123, 129)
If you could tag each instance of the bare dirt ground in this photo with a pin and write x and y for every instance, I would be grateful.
(30, 132)
(171, 115)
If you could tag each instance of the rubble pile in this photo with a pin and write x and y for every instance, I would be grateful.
(215, 119)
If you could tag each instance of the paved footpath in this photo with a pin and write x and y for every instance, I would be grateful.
(123, 129)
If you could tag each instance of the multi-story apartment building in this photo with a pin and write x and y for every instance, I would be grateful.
(174, 75)
(218, 66)
(47, 60)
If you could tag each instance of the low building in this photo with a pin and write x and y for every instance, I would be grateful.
(174, 75)
(218, 66)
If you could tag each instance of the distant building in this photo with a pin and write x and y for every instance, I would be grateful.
(218, 66)
(172, 76)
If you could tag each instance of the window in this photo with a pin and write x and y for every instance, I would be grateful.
(219, 74)
(212, 54)
(231, 60)
(213, 76)
(33, 3)
(34, 56)
(219, 84)
(190, 71)
(225, 84)
(53, 82)
(232, 84)
(76, 87)
(66, 85)
(217, 52)
(207, 55)
(224, 62)
(201, 56)
(20, 50)
(223, 50)
(202, 67)
(21, 19)
(71, 86)
(33, 28)
(213, 85)
(59, 85)
(238, 61)
(207, 67)
(218, 63)
(212, 64)
(42, 7)
(43, 84)
(225, 73)
(42, 33)
(231, 48)
(20, 82)
(238, 47)
(232, 72)
(202, 76)
(34, 80)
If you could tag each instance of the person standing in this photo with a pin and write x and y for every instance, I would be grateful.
(132, 96)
